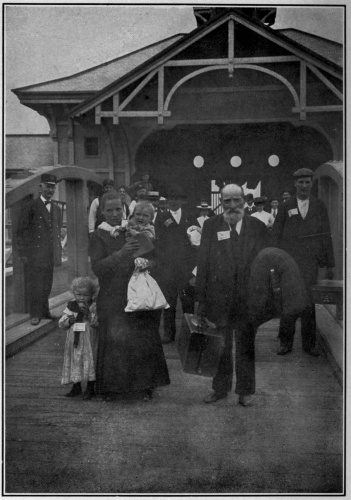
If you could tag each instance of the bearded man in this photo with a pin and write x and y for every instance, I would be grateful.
(229, 244)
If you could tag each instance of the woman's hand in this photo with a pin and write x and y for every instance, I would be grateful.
(130, 247)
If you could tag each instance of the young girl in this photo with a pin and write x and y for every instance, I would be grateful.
(80, 319)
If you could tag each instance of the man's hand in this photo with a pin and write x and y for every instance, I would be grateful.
(329, 274)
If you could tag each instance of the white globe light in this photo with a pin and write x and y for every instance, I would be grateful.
(198, 162)
(273, 160)
(235, 161)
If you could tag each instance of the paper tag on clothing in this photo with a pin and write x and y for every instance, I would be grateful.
(223, 235)
(79, 327)
(293, 211)
(168, 222)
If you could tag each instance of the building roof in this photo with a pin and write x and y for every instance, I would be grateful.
(98, 77)
(101, 81)
(332, 51)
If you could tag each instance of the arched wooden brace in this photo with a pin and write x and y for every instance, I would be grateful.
(18, 192)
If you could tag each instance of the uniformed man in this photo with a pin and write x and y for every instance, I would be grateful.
(39, 244)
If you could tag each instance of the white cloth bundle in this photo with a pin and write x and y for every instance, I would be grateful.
(144, 294)
(194, 234)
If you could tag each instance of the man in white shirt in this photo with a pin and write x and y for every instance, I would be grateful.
(205, 211)
(95, 215)
(261, 214)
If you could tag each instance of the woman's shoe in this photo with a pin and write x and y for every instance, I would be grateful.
(89, 392)
(75, 391)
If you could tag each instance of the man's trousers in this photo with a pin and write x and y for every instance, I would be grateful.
(38, 286)
(244, 360)
(308, 329)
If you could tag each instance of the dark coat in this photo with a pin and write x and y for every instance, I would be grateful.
(220, 283)
(173, 244)
(37, 238)
(130, 355)
(307, 240)
(292, 297)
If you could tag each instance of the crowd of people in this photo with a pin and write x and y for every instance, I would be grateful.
(219, 266)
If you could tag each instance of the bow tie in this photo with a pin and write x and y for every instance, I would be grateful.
(47, 202)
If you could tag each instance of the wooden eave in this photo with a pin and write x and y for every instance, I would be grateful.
(164, 57)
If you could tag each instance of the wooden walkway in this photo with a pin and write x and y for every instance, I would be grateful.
(290, 441)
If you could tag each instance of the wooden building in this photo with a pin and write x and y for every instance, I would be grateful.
(234, 100)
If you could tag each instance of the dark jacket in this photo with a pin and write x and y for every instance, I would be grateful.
(307, 240)
(221, 283)
(39, 234)
(173, 244)
(292, 295)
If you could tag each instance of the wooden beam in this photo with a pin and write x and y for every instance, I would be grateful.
(121, 114)
(160, 98)
(231, 48)
(326, 81)
(243, 66)
(237, 60)
(137, 89)
(303, 90)
(98, 114)
(318, 109)
(116, 108)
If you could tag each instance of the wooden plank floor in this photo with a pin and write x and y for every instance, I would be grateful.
(290, 441)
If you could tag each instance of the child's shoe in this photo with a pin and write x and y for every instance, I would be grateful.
(89, 392)
(75, 391)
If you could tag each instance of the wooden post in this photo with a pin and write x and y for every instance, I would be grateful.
(77, 230)
(19, 300)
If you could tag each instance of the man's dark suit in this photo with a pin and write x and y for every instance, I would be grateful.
(309, 242)
(178, 259)
(222, 286)
(39, 240)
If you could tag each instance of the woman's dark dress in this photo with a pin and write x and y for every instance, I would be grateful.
(130, 354)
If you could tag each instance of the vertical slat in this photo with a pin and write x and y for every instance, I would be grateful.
(303, 90)
(161, 82)
(231, 48)
(116, 109)
(98, 115)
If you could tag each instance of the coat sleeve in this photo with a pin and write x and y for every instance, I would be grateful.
(278, 227)
(103, 264)
(24, 229)
(203, 261)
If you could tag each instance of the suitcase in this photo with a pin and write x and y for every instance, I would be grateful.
(199, 348)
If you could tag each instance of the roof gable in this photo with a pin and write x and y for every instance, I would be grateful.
(265, 41)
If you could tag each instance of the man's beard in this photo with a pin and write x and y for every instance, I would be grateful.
(233, 215)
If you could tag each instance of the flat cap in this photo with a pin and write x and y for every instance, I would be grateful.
(48, 178)
(303, 172)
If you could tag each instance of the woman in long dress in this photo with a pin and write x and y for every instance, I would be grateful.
(130, 355)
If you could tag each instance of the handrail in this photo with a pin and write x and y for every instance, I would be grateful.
(17, 189)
